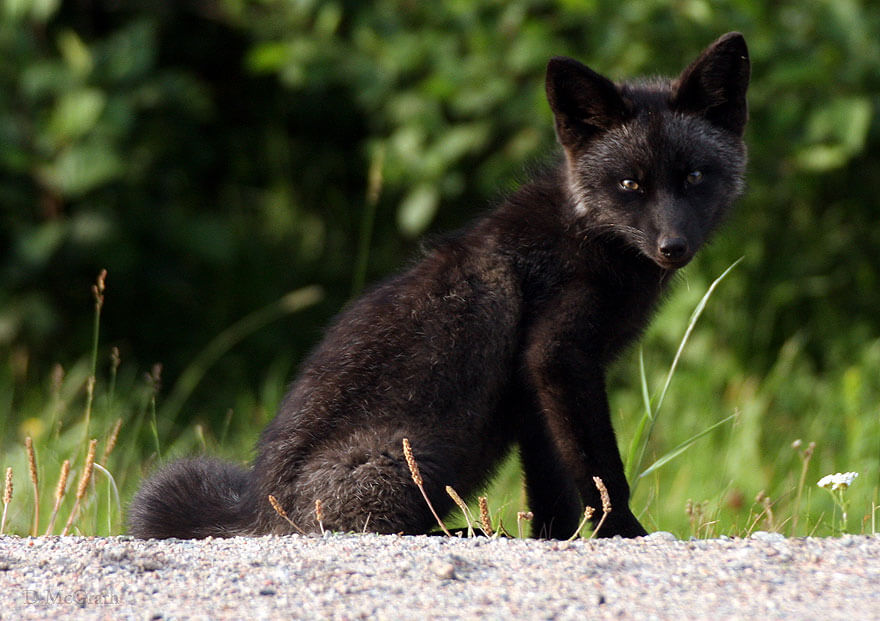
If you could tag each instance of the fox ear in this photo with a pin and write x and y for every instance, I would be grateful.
(715, 84)
(582, 101)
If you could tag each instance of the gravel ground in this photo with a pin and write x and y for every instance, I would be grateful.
(387, 577)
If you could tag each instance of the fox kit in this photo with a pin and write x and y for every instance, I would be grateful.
(500, 336)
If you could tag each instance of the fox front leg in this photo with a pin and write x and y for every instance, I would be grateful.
(570, 391)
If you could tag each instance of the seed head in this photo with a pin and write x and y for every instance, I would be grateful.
(484, 515)
(7, 494)
(87, 470)
(111, 440)
(603, 493)
(277, 506)
(32, 460)
(411, 462)
(456, 498)
(808, 452)
(62, 480)
(98, 289)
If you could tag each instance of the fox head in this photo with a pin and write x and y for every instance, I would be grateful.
(656, 162)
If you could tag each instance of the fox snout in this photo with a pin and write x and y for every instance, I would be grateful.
(674, 248)
(677, 234)
(673, 251)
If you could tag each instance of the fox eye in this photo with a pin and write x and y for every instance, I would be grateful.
(694, 177)
(630, 185)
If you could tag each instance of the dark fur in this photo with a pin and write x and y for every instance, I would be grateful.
(498, 337)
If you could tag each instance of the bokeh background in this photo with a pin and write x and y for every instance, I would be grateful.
(214, 155)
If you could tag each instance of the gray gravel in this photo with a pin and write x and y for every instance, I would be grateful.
(387, 577)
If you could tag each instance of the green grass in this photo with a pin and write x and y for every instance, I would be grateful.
(753, 456)
(100, 398)
(712, 447)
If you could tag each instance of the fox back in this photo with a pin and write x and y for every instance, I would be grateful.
(500, 336)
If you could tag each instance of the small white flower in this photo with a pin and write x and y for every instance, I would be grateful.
(837, 481)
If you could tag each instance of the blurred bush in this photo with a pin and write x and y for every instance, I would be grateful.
(215, 154)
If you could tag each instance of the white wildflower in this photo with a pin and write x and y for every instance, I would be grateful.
(837, 481)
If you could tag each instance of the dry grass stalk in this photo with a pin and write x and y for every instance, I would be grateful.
(59, 494)
(90, 399)
(520, 517)
(696, 513)
(417, 479)
(98, 293)
(319, 514)
(7, 498)
(692, 512)
(588, 515)
(764, 500)
(57, 383)
(485, 521)
(606, 503)
(464, 508)
(32, 469)
(83, 484)
(154, 378)
(111, 441)
(806, 455)
(280, 511)
(57, 380)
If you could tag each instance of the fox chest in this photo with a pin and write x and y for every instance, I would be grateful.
(606, 319)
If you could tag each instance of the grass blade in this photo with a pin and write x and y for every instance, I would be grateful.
(693, 322)
(639, 438)
(652, 412)
(681, 448)
(110, 498)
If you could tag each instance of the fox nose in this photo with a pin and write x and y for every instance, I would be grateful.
(673, 248)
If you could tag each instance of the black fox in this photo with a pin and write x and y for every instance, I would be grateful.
(500, 336)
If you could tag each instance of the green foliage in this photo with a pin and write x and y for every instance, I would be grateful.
(214, 156)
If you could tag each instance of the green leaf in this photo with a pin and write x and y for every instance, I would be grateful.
(75, 52)
(837, 131)
(820, 158)
(82, 168)
(267, 57)
(76, 113)
(130, 53)
(38, 245)
(417, 210)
